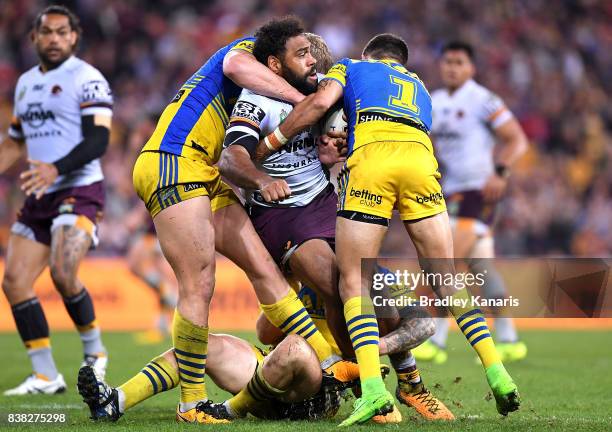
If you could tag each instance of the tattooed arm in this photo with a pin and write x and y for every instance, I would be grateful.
(411, 332)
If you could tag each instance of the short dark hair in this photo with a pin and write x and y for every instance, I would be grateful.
(459, 46)
(73, 20)
(387, 45)
(272, 37)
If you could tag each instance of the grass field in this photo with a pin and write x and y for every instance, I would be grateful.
(565, 383)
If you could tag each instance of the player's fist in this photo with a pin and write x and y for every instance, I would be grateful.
(332, 148)
(274, 190)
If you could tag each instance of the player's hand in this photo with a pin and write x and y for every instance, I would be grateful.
(38, 178)
(494, 188)
(332, 148)
(274, 190)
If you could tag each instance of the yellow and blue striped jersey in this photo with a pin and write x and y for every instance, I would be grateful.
(383, 101)
(193, 124)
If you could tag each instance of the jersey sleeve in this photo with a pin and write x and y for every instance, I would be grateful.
(244, 45)
(94, 93)
(494, 111)
(338, 72)
(246, 123)
(15, 130)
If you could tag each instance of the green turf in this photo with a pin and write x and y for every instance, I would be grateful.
(565, 383)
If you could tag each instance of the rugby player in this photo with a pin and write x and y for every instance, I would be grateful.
(287, 381)
(297, 223)
(287, 384)
(390, 163)
(62, 119)
(196, 213)
(468, 120)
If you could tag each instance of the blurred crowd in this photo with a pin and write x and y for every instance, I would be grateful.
(551, 64)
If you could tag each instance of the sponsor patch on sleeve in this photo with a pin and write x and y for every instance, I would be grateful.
(96, 93)
(249, 112)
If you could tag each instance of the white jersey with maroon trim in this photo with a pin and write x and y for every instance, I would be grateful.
(297, 162)
(462, 131)
(48, 110)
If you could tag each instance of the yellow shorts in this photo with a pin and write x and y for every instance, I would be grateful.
(163, 179)
(381, 176)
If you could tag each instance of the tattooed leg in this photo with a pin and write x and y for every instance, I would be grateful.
(69, 244)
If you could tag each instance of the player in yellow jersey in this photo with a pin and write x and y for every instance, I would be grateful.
(195, 213)
(390, 163)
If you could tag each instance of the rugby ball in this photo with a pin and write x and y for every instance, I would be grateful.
(334, 121)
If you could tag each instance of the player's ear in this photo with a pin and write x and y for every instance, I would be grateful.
(274, 64)
(74, 38)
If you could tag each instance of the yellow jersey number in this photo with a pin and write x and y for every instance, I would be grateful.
(406, 95)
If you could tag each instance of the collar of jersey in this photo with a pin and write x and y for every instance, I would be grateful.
(63, 65)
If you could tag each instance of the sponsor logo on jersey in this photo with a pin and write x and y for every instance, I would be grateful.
(283, 116)
(22, 93)
(67, 206)
(431, 198)
(187, 187)
(36, 116)
(367, 198)
(248, 111)
(96, 91)
(56, 90)
(178, 96)
(38, 87)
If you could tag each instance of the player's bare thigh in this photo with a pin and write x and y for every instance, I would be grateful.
(354, 241)
(25, 261)
(236, 238)
(433, 240)
(231, 362)
(187, 239)
(314, 263)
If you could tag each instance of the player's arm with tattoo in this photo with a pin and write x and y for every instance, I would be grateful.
(414, 329)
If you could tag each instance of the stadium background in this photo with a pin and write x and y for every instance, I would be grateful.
(550, 61)
(553, 70)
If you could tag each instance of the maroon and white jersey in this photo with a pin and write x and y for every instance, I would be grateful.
(462, 132)
(48, 110)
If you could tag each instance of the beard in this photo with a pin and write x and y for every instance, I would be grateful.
(301, 83)
(50, 63)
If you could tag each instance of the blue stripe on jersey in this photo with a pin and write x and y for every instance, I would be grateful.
(206, 84)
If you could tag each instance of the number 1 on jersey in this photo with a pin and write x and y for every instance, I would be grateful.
(406, 97)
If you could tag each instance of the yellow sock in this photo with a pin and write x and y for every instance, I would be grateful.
(472, 323)
(190, 348)
(363, 331)
(257, 392)
(156, 377)
(290, 316)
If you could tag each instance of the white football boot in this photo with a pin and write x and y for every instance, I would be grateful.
(38, 384)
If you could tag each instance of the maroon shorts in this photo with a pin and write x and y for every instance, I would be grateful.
(471, 204)
(79, 206)
(283, 230)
